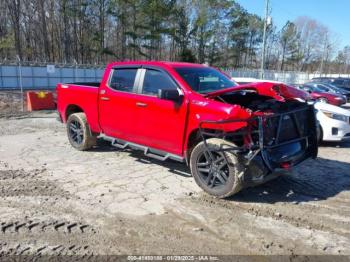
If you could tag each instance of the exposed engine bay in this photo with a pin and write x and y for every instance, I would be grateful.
(251, 100)
(279, 135)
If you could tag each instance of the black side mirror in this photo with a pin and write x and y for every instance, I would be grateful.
(170, 94)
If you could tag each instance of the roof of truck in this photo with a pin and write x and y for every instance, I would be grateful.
(159, 63)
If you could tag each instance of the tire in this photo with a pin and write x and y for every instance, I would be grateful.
(79, 133)
(220, 182)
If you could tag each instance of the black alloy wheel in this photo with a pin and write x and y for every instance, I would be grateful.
(213, 169)
(76, 132)
(217, 172)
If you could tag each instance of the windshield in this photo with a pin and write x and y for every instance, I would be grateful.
(323, 88)
(204, 79)
(338, 89)
(313, 88)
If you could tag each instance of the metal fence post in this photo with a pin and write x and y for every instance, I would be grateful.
(75, 70)
(1, 77)
(32, 78)
(20, 81)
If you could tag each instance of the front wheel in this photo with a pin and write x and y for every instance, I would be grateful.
(217, 173)
(79, 133)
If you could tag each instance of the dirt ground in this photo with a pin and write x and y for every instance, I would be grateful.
(55, 200)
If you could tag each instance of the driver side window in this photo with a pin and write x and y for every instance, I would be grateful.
(155, 80)
(123, 79)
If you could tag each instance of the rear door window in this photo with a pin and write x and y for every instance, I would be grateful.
(155, 80)
(123, 79)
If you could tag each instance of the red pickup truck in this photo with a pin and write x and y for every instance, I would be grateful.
(231, 136)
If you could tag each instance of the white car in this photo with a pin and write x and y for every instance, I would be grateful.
(334, 122)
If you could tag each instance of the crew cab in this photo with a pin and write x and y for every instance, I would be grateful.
(231, 136)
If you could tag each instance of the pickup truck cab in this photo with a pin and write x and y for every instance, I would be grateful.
(231, 136)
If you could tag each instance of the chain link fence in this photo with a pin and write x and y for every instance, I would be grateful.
(289, 77)
(16, 77)
(39, 76)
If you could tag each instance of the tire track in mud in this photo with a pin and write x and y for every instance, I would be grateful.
(18, 182)
(267, 212)
(19, 174)
(51, 237)
(35, 236)
(34, 251)
(32, 226)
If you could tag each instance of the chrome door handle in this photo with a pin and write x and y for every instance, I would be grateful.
(104, 98)
(141, 104)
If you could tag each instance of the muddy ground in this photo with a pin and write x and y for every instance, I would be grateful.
(56, 200)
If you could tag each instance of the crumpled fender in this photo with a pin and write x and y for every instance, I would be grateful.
(213, 111)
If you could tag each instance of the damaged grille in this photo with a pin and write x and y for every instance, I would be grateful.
(285, 127)
(281, 140)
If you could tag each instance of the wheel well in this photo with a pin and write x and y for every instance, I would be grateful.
(71, 109)
(193, 139)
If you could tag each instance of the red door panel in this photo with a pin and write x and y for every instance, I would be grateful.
(117, 104)
(161, 123)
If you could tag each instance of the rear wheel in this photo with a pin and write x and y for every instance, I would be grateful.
(79, 133)
(217, 173)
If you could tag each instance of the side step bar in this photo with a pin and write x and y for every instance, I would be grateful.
(149, 152)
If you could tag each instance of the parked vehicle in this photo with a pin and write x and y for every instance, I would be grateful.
(334, 122)
(340, 82)
(321, 95)
(339, 90)
(230, 136)
(330, 88)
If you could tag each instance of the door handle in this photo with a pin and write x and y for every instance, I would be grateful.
(104, 98)
(141, 104)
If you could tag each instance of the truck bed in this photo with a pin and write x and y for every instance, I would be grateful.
(91, 84)
(83, 94)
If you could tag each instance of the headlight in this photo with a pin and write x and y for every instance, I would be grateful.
(336, 116)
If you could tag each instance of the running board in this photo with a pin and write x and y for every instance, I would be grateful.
(149, 152)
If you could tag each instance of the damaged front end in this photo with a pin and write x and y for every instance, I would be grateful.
(277, 136)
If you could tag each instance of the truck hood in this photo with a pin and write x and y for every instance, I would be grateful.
(278, 91)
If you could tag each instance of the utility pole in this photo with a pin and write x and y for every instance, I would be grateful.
(262, 66)
(20, 80)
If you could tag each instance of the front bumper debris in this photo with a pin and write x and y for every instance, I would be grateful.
(271, 142)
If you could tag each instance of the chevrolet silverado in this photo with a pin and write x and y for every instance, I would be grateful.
(231, 136)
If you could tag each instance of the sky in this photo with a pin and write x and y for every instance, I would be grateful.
(335, 14)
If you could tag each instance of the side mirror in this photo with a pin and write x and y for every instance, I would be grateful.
(170, 94)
